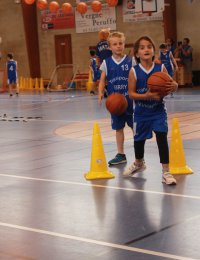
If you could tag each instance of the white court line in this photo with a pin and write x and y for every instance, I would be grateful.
(102, 186)
(96, 242)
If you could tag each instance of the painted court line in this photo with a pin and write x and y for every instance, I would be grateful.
(101, 186)
(96, 242)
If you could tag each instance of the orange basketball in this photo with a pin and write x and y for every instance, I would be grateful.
(156, 82)
(116, 104)
(96, 6)
(53, 7)
(112, 3)
(29, 2)
(67, 8)
(42, 4)
(81, 8)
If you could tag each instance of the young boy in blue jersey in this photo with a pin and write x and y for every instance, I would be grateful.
(166, 57)
(150, 113)
(115, 70)
(11, 66)
(102, 49)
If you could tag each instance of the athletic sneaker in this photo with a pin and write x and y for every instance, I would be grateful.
(119, 158)
(168, 179)
(134, 168)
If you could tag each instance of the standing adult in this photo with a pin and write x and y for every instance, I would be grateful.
(186, 55)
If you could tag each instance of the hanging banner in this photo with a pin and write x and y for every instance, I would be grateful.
(58, 20)
(142, 10)
(93, 22)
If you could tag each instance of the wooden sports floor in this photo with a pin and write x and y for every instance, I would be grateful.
(49, 211)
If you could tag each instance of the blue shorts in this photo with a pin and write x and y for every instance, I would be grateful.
(119, 122)
(144, 130)
(12, 80)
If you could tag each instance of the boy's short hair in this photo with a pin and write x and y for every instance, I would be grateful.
(92, 52)
(163, 46)
(117, 35)
(10, 55)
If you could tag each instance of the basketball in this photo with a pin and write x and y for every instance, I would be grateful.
(42, 4)
(96, 6)
(156, 82)
(67, 8)
(53, 7)
(112, 3)
(81, 8)
(116, 104)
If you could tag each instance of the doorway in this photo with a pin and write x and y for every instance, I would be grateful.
(63, 49)
(63, 52)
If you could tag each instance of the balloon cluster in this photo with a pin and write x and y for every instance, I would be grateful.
(67, 7)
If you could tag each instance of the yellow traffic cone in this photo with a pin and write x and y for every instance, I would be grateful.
(98, 164)
(36, 84)
(90, 84)
(41, 84)
(21, 85)
(177, 162)
(30, 83)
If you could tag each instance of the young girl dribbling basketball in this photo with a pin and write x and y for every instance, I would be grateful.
(150, 113)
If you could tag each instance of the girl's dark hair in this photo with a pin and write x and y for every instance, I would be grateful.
(137, 45)
(10, 55)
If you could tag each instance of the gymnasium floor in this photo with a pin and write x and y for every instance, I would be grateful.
(49, 211)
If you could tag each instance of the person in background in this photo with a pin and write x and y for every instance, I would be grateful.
(166, 57)
(115, 70)
(102, 48)
(96, 73)
(178, 53)
(11, 67)
(150, 113)
(186, 56)
(171, 45)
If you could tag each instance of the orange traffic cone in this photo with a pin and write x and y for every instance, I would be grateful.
(177, 162)
(98, 164)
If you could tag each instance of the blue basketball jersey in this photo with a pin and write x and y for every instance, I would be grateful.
(102, 51)
(147, 109)
(12, 70)
(166, 60)
(117, 76)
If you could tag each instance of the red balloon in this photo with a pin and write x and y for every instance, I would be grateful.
(42, 4)
(81, 8)
(29, 2)
(112, 3)
(53, 7)
(96, 6)
(66, 8)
